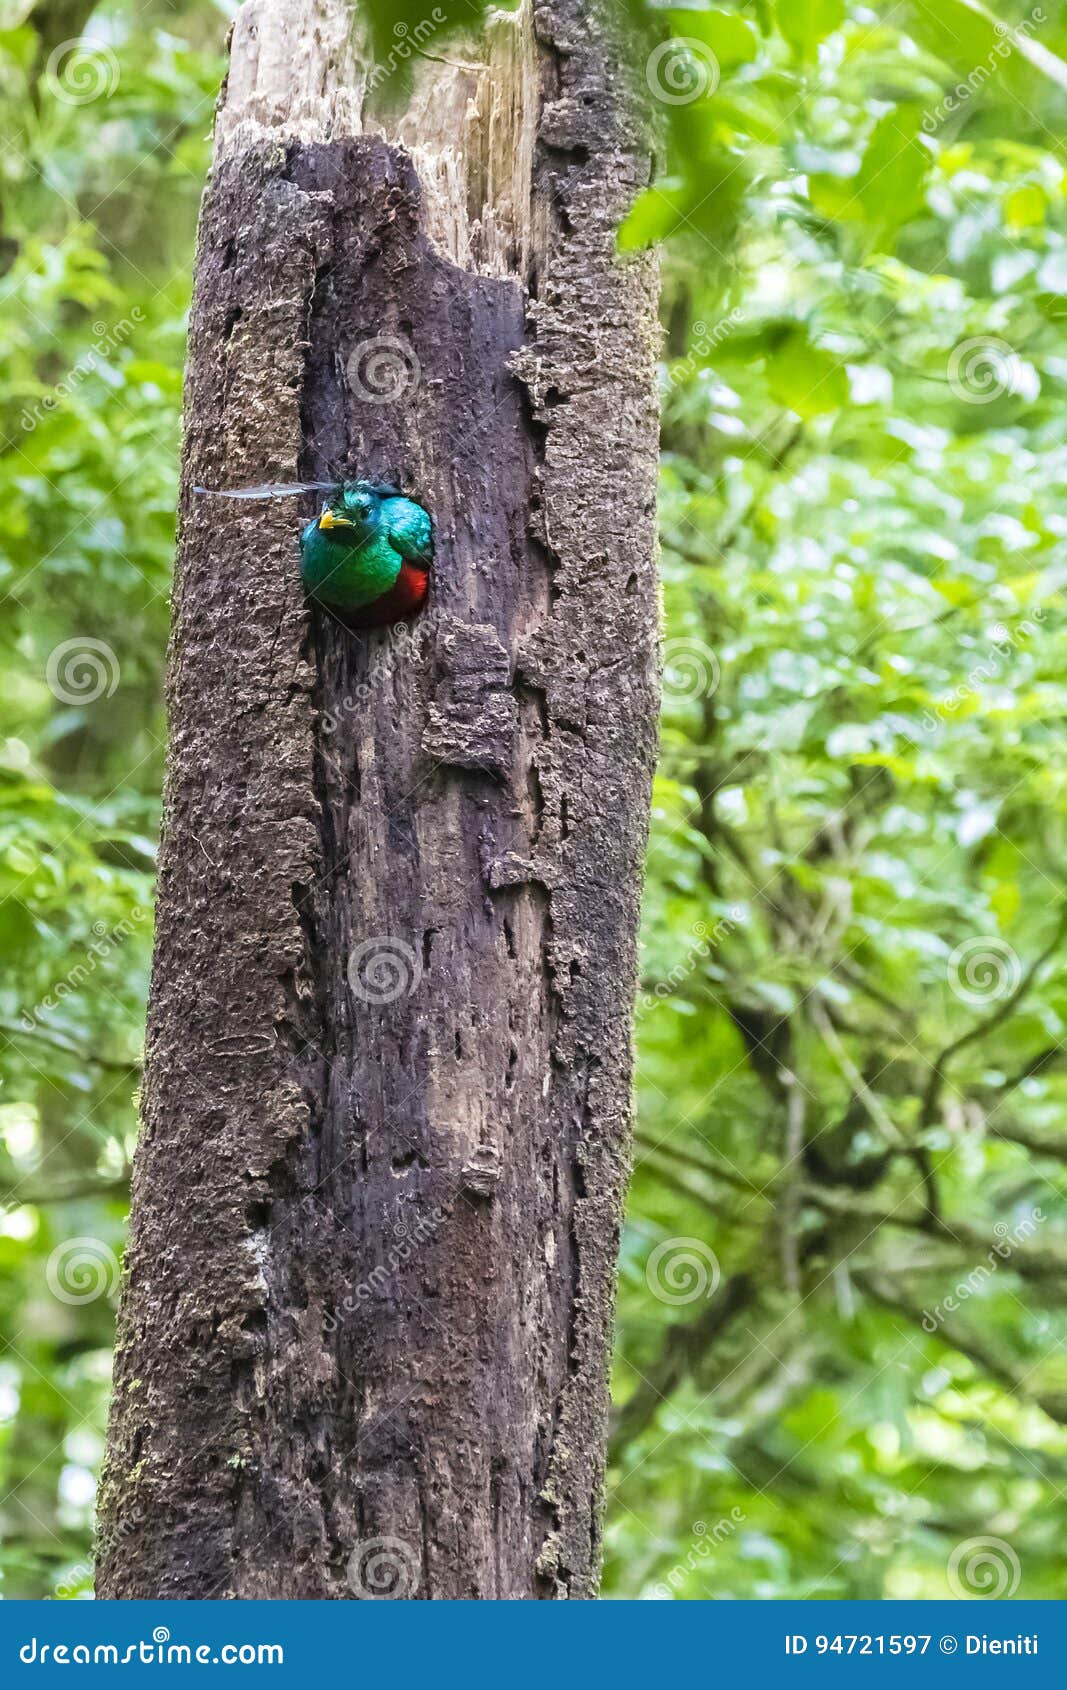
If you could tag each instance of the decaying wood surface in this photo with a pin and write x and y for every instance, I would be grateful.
(365, 1333)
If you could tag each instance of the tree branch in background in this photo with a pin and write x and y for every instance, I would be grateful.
(685, 1345)
(27, 1194)
(712, 1167)
(792, 1178)
(666, 1176)
(1035, 1139)
(55, 22)
(1049, 1263)
(57, 1041)
(860, 1089)
(956, 1337)
(986, 1025)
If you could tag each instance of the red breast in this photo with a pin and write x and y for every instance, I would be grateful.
(405, 597)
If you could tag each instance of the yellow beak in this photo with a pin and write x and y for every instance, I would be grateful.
(328, 520)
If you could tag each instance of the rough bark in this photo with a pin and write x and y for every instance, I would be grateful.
(365, 1331)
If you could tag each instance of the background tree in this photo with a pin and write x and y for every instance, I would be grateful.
(861, 521)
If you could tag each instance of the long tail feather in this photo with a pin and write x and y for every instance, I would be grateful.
(269, 490)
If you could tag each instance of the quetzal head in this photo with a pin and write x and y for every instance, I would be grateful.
(356, 509)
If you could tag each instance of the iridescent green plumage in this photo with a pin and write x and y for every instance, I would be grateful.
(367, 555)
(370, 547)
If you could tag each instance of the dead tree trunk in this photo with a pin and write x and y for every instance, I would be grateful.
(365, 1332)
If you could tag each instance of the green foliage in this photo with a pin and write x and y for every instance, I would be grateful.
(852, 1011)
(842, 1339)
(103, 163)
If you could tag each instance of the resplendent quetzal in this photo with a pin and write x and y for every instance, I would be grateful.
(367, 555)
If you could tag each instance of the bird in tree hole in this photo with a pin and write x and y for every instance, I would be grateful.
(367, 555)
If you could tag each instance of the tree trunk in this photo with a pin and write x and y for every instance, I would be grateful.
(366, 1328)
